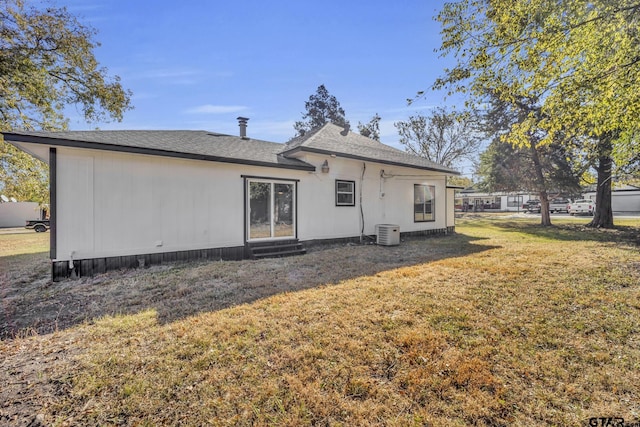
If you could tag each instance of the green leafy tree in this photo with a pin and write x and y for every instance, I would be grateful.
(547, 169)
(578, 61)
(371, 129)
(444, 137)
(321, 108)
(459, 181)
(503, 167)
(47, 63)
(22, 176)
(631, 174)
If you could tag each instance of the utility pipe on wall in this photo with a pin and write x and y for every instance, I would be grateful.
(364, 168)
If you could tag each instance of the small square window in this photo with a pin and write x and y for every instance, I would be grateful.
(345, 193)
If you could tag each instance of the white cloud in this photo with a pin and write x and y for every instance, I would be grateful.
(216, 109)
(172, 76)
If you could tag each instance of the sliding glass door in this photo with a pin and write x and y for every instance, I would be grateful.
(271, 209)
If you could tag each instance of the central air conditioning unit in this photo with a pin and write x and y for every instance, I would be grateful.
(387, 234)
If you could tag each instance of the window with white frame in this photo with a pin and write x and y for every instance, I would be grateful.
(345, 193)
(423, 203)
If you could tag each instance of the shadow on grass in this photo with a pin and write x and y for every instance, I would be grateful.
(31, 303)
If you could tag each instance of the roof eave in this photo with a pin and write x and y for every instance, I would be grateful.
(59, 142)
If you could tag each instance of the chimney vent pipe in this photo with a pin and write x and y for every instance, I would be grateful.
(242, 122)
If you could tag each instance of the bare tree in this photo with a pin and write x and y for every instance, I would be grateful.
(443, 137)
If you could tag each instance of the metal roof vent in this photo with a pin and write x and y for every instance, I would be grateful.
(242, 122)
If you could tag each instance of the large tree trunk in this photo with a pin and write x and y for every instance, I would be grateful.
(603, 214)
(545, 215)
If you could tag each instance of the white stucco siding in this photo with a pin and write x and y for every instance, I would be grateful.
(75, 205)
(318, 215)
(401, 210)
(124, 190)
(112, 204)
(319, 218)
(451, 204)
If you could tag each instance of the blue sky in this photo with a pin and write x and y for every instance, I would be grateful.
(201, 64)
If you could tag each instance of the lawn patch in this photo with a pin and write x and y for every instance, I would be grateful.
(501, 324)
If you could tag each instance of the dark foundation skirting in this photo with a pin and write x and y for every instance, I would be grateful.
(90, 267)
(369, 239)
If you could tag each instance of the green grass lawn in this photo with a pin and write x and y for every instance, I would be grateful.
(514, 324)
(23, 257)
(23, 243)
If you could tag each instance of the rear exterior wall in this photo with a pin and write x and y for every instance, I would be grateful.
(113, 204)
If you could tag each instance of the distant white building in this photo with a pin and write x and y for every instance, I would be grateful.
(470, 200)
(625, 198)
(16, 214)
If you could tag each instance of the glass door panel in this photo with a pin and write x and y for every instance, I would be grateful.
(259, 210)
(283, 210)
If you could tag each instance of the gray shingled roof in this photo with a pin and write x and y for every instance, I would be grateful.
(174, 143)
(331, 139)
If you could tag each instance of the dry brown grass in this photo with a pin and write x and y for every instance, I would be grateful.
(505, 323)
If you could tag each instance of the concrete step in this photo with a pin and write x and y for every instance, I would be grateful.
(274, 250)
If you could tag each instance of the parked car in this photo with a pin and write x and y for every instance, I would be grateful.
(559, 205)
(532, 206)
(582, 206)
(39, 225)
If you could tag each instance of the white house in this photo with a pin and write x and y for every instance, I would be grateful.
(470, 199)
(126, 198)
